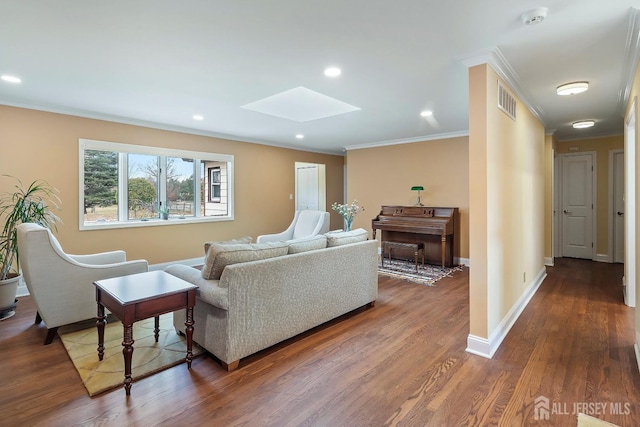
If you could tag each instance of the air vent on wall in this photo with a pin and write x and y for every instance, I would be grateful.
(506, 102)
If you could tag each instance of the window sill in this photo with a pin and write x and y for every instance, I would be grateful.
(103, 225)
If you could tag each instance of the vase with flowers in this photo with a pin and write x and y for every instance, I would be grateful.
(348, 212)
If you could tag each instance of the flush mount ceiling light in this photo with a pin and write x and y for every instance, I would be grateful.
(10, 79)
(534, 16)
(300, 136)
(583, 124)
(426, 113)
(572, 88)
(198, 117)
(332, 72)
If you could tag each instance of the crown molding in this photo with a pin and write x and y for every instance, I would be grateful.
(631, 59)
(423, 138)
(154, 125)
(501, 66)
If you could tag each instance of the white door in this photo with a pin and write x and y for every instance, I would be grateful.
(307, 188)
(618, 207)
(577, 206)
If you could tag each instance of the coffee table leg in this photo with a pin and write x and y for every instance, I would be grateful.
(100, 323)
(189, 332)
(156, 330)
(127, 352)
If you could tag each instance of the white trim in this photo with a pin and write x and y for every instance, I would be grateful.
(23, 291)
(611, 208)
(548, 261)
(631, 58)
(501, 66)
(191, 262)
(423, 138)
(462, 261)
(487, 348)
(603, 258)
(155, 125)
(637, 352)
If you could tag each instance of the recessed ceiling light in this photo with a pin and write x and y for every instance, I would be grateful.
(584, 124)
(300, 136)
(10, 79)
(198, 117)
(332, 72)
(426, 113)
(572, 88)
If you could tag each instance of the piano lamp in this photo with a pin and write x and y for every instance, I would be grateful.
(418, 188)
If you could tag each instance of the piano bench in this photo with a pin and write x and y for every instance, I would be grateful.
(418, 249)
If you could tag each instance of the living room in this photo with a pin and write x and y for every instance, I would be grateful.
(504, 192)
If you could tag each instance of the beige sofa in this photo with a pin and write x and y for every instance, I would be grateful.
(256, 304)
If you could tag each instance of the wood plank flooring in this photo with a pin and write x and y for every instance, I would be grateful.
(401, 363)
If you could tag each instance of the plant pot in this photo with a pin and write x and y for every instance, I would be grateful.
(8, 290)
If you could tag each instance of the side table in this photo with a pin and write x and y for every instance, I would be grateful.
(141, 296)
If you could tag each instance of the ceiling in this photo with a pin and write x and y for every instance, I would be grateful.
(159, 62)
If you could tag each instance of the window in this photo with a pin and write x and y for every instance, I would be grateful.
(127, 185)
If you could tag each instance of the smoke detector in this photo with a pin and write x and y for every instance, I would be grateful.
(534, 16)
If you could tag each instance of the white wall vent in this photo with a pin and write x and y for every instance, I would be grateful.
(506, 102)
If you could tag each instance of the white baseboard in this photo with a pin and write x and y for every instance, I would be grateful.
(602, 258)
(487, 347)
(548, 261)
(23, 291)
(462, 261)
(190, 262)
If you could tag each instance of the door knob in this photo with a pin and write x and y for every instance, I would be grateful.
(620, 213)
(567, 212)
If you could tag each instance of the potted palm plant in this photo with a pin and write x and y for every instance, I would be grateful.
(24, 204)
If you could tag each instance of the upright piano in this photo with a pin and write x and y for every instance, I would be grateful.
(433, 226)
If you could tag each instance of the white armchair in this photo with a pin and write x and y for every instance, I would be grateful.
(60, 284)
(305, 224)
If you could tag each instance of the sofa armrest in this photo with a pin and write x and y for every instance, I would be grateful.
(208, 291)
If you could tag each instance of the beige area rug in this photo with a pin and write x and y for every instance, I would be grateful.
(589, 421)
(148, 356)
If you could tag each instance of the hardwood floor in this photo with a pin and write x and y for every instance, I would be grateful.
(402, 362)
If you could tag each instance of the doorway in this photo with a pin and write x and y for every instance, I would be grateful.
(310, 186)
(616, 212)
(576, 202)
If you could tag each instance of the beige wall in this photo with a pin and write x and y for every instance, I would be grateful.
(384, 176)
(602, 147)
(507, 202)
(42, 145)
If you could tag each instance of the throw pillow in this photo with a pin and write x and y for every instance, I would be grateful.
(221, 255)
(239, 240)
(345, 237)
(310, 244)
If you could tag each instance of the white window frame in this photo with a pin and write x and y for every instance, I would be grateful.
(87, 144)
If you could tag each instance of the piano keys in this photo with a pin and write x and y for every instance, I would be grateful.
(434, 226)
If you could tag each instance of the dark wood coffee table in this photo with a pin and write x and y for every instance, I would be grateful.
(141, 296)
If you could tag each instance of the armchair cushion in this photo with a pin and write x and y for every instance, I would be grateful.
(221, 255)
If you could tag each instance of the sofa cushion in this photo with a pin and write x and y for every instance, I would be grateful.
(239, 240)
(339, 238)
(309, 244)
(221, 255)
